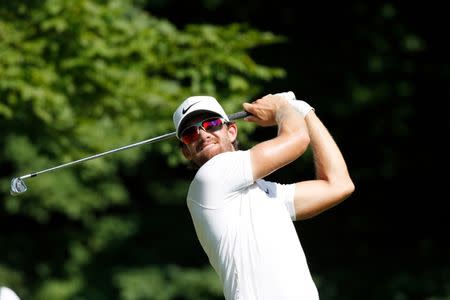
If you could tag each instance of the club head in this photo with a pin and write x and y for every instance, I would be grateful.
(18, 186)
(8, 294)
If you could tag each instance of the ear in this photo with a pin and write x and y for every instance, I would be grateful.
(186, 152)
(232, 132)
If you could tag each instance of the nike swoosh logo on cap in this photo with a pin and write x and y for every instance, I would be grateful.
(185, 109)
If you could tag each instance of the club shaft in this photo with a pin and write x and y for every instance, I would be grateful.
(152, 140)
(235, 116)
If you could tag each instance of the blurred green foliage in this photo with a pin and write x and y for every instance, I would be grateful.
(82, 77)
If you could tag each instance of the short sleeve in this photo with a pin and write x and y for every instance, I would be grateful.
(282, 192)
(288, 198)
(220, 178)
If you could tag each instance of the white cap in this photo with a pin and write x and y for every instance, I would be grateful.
(196, 104)
(7, 294)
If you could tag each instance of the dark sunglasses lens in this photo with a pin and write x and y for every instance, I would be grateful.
(189, 135)
(212, 124)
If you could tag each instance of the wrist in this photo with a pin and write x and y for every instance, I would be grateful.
(283, 110)
(301, 106)
(287, 95)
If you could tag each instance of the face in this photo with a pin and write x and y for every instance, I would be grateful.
(208, 140)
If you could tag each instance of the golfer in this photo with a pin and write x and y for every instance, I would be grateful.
(243, 222)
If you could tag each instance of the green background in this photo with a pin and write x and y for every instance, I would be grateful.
(81, 77)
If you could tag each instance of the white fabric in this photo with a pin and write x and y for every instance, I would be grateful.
(287, 95)
(246, 230)
(196, 104)
(301, 106)
(7, 294)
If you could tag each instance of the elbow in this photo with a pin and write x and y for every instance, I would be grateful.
(350, 189)
(303, 141)
(346, 187)
(342, 187)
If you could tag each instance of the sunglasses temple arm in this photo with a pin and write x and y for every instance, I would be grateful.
(238, 115)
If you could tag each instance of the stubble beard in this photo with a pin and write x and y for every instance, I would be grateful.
(213, 150)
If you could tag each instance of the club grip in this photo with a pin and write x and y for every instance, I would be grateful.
(238, 115)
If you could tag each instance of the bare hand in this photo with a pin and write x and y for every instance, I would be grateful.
(264, 110)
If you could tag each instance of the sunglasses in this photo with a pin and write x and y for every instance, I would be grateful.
(190, 134)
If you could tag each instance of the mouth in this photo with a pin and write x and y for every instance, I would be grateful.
(204, 146)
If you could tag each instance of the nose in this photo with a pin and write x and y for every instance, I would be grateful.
(202, 133)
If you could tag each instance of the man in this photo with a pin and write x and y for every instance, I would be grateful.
(243, 222)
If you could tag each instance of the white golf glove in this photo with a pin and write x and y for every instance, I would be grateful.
(301, 106)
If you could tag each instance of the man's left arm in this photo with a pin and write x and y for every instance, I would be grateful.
(333, 183)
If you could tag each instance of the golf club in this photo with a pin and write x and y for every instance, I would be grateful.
(18, 185)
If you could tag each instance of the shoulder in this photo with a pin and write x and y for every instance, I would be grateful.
(225, 161)
(229, 155)
(226, 171)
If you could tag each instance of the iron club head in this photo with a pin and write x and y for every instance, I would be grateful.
(18, 186)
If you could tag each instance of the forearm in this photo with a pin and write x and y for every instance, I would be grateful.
(328, 159)
(291, 141)
(290, 123)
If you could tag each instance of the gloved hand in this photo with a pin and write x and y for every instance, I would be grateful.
(301, 106)
(287, 95)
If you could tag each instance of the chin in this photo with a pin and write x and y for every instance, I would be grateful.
(208, 153)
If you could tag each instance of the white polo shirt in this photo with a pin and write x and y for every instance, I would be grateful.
(246, 229)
